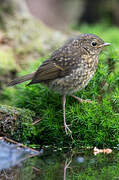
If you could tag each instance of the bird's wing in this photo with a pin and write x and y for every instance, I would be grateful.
(59, 65)
(47, 71)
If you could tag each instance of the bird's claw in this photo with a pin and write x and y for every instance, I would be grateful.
(67, 130)
(82, 100)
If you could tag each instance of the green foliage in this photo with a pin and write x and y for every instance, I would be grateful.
(91, 124)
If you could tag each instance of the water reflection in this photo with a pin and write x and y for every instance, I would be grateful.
(12, 154)
(80, 165)
(58, 166)
(67, 164)
(80, 159)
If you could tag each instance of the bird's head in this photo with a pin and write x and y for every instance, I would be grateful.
(90, 43)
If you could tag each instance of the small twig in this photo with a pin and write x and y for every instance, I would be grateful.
(36, 169)
(18, 144)
(37, 121)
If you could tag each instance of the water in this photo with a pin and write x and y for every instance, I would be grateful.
(53, 165)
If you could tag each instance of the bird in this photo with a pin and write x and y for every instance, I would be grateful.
(69, 69)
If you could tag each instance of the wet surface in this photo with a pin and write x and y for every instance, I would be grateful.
(53, 165)
(12, 153)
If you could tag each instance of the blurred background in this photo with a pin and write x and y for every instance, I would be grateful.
(59, 14)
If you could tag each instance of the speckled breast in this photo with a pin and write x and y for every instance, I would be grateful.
(77, 79)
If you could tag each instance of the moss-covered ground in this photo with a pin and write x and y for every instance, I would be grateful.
(95, 124)
(16, 123)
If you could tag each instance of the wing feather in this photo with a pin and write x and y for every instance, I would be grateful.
(58, 65)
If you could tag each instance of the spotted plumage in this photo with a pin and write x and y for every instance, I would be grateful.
(69, 68)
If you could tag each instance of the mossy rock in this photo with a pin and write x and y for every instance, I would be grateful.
(16, 123)
(34, 39)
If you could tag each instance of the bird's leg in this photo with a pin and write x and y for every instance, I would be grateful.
(82, 100)
(65, 125)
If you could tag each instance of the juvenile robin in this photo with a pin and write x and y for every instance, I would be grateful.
(69, 69)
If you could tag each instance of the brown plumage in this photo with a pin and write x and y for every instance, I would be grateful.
(69, 69)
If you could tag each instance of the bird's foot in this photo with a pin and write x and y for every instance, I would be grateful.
(82, 100)
(67, 130)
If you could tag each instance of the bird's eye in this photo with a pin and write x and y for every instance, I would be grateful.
(94, 43)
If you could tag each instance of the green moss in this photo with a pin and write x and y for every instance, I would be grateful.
(93, 124)
(16, 123)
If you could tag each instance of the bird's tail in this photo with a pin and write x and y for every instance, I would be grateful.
(21, 79)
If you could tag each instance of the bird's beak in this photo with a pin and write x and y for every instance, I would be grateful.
(105, 44)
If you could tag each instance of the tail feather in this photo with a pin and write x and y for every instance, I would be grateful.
(21, 79)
